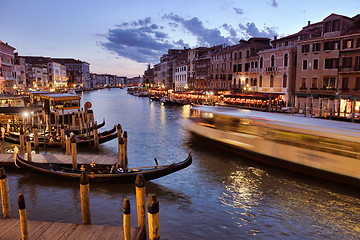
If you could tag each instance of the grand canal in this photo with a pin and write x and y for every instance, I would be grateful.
(220, 196)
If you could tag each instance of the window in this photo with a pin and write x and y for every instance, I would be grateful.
(255, 82)
(331, 45)
(286, 43)
(246, 81)
(235, 67)
(348, 43)
(286, 60)
(304, 66)
(357, 83)
(316, 47)
(252, 64)
(336, 25)
(303, 83)
(345, 83)
(284, 81)
(305, 48)
(271, 81)
(357, 63)
(261, 62)
(239, 67)
(247, 65)
(247, 53)
(347, 62)
(329, 83)
(260, 81)
(314, 83)
(240, 55)
(328, 26)
(272, 61)
(256, 64)
(235, 55)
(229, 77)
(331, 63)
(316, 64)
(216, 76)
(358, 42)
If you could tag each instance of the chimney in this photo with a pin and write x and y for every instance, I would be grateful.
(308, 23)
(275, 38)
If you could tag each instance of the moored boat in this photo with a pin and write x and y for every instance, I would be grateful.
(102, 172)
(317, 147)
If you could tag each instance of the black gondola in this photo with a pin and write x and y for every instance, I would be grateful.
(102, 172)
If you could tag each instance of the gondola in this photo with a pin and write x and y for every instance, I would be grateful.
(102, 172)
(81, 141)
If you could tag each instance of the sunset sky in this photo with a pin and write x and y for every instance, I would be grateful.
(121, 37)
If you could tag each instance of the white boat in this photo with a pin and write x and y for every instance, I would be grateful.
(318, 147)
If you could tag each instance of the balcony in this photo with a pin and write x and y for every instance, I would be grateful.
(271, 69)
(355, 69)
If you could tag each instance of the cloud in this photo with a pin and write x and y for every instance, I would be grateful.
(251, 30)
(238, 11)
(145, 41)
(274, 3)
(141, 40)
(205, 36)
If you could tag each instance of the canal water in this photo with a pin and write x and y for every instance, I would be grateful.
(220, 196)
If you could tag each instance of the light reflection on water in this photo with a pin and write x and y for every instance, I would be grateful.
(220, 196)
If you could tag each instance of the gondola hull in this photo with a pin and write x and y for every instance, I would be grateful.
(101, 172)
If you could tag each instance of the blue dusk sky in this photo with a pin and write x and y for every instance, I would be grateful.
(121, 37)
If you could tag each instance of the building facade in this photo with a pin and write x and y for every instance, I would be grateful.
(7, 72)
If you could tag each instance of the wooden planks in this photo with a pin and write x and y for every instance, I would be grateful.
(8, 159)
(10, 229)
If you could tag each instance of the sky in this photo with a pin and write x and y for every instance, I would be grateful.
(122, 37)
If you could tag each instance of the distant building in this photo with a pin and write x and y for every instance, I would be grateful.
(20, 72)
(135, 81)
(180, 76)
(7, 72)
(77, 71)
(148, 77)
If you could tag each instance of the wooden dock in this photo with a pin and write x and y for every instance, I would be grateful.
(10, 229)
(8, 159)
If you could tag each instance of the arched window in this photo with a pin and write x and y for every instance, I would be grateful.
(286, 60)
(260, 81)
(261, 62)
(272, 62)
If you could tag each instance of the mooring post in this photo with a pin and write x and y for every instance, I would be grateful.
(125, 136)
(5, 194)
(2, 133)
(62, 117)
(80, 122)
(126, 219)
(73, 151)
(140, 201)
(22, 142)
(73, 120)
(121, 153)
(23, 219)
(36, 138)
(62, 136)
(28, 148)
(67, 143)
(85, 198)
(96, 136)
(119, 131)
(153, 217)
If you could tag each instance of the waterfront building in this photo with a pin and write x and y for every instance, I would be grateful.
(180, 75)
(57, 75)
(135, 81)
(7, 72)
(202, 63)
(78, 72)
(327, 68)
(149, 76)
(20, 72)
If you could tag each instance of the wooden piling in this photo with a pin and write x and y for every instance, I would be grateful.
(126, 219)
(28, 148)
(62, 136)
(153, 217)
(125, 136)
(23, 218)
(73, 151)
(119, 131)
(140, 200)
(121, 153)
(96, 136)
(2, 133)
(85, 198)
(63, 117)
(22, 140)
(36, 138)
(5, 194)
(67, 144)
